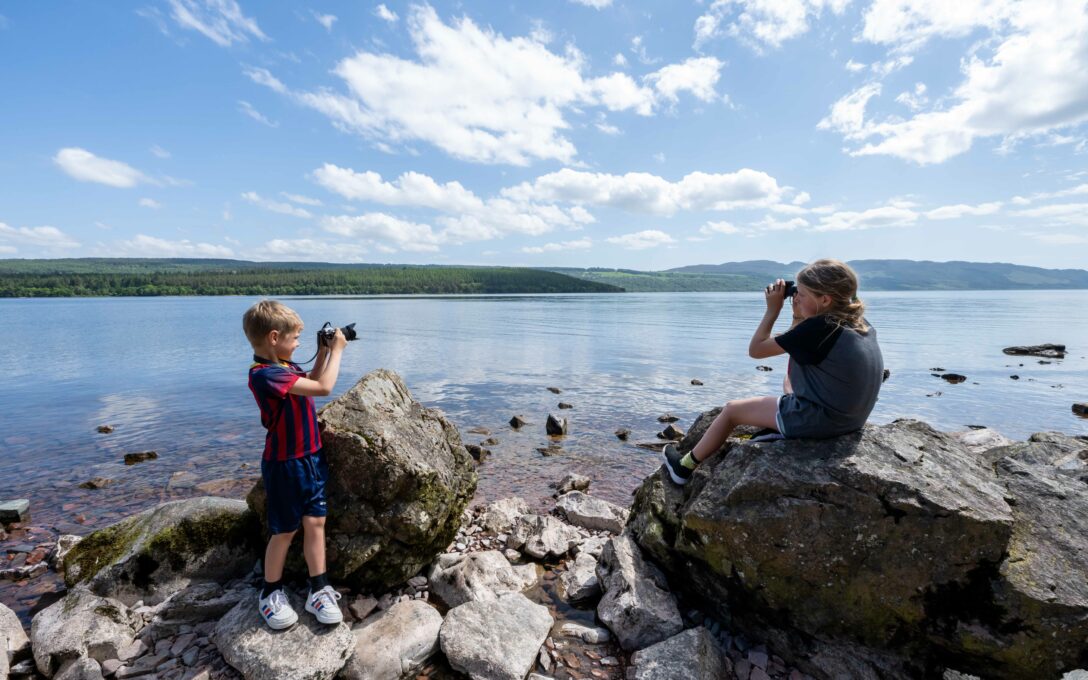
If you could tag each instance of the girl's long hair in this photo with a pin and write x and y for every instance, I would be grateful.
(839, 282)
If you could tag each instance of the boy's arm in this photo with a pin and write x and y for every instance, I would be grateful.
(322, 385)
(319, 363)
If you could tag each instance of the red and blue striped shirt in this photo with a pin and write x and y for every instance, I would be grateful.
(291, 419)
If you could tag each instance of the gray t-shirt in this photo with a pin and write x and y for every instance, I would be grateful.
(836, 374)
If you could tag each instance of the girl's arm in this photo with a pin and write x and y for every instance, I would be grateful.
(762, 344)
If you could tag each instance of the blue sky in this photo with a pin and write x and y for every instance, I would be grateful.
(604, 133)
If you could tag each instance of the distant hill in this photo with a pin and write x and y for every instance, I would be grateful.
(917, 275)
(149, 277)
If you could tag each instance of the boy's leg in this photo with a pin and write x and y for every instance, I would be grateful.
(313, 544)
(758, 411)
(275, 555)
(272, 602)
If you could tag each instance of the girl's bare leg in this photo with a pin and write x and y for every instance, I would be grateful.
(758, 411)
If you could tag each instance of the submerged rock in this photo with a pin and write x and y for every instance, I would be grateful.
(555, 426)
(151, 555)
(890, 552)
(399, 479)
(139, 457)
(1048, 350)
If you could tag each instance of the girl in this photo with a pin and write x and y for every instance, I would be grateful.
(834, 373)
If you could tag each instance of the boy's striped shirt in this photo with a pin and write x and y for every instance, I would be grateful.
(291, 419)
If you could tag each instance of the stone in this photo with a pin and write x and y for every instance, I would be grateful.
(887, 551)
(637, 605)
(572, 482)
(400, 478)
(980, 440)
(14, 510)
(478, 453)
(362, 606)
(696, 381)
(1080, 409)
(490, 441)
(693, 653)
(622, 434)
(579, 583)
(395, 643)
(83, 668)
(104, 429)
(517, 422)
(155, 553)
(588, 634)
(592, 546)
(672, 433)
(550, 450)
(765, 369)
(588, 512)
(13, 639)
(495, 640)
(307, 651)
(502, 514)
(200, 601)
(564, 405)
(954, 378)
(140, 457)
(479, 576)
(555, 426)
(555, 390)
(1051, 351)
(667, 418)
(96, 483)
(542, 536)
(81, 624)
(887, 374)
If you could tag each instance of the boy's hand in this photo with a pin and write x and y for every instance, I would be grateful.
(338, 341)
(775, 295)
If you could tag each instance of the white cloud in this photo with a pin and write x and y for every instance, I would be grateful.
(951, 212)
(221, 21)
(853, 66)
(642, 240)
(410, 189)
(848, 114)
(483, 97)
(385, 14)
(580, 244)
(87, 167)
(769, 223)
(383, 229)
(886, 216)
(150, 203)
(159, 152)
(607, 128)
(326, 20)
(761, 23)
(246, 108)
(595, 4)
(1075, 214)
(150, 246)
(914, 100)
(801, 198)
(302, 200)
(641, 192)
(719, 228)
(1028, 78)
(1079, 190)
(276, 206)
(48, 238)
(619, 60)
(312, 250)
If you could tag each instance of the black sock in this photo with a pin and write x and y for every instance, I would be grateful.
(271, 587)
(318, 582)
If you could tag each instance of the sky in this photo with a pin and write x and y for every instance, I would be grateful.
(584, 133)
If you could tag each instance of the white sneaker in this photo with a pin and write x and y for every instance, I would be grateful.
(276, 610)
(322, 604)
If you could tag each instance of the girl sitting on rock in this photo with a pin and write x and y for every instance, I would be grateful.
(835, 368)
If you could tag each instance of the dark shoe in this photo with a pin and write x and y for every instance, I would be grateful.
(677, 471)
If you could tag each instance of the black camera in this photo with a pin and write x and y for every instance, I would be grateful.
(791, 289)
(328, 332)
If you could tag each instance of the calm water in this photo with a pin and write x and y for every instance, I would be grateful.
(170, 375)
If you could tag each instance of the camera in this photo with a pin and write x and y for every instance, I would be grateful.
(328, 332)
(791, 289)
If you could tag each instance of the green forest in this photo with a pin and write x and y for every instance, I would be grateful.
(82, 278)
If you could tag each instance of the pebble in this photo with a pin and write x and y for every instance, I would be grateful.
(758, 659)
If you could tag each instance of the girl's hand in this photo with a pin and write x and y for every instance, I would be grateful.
(775, 295)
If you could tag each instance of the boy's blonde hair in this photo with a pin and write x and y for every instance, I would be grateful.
(267, 316)
(838, 281)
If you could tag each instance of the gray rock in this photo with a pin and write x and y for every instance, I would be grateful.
(159, 551)
(399, 479)
(82, 668)
(394, 643)
(65, 543)
(13, 639)
(81, 624)
(573, 482)
(542, 536)
(1048, 350)
(501, 515)
(307, 651)
(595, 514)
(637, 606)
(14, 510)
(579, 583)
(693, 653)
(555, 426)
(590, 635)
(495, 640)
(978, 441)
(458, 578)
(201, 601)
(592, 545)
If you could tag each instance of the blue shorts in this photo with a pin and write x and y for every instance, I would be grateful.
(294, 488)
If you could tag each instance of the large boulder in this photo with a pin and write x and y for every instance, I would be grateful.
(890, 552)
(81, 625)
(13, 639)
(457, 578)
(395, 643)
(497, 639)
(637, 605)
(308, 651)
(691, 654)
(155, 553)
(399, 479)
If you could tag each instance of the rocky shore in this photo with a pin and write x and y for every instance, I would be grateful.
(895, 552)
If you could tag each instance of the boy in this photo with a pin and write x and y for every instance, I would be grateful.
(293, 467)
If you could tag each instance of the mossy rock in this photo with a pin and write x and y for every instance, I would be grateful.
(150, 555)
